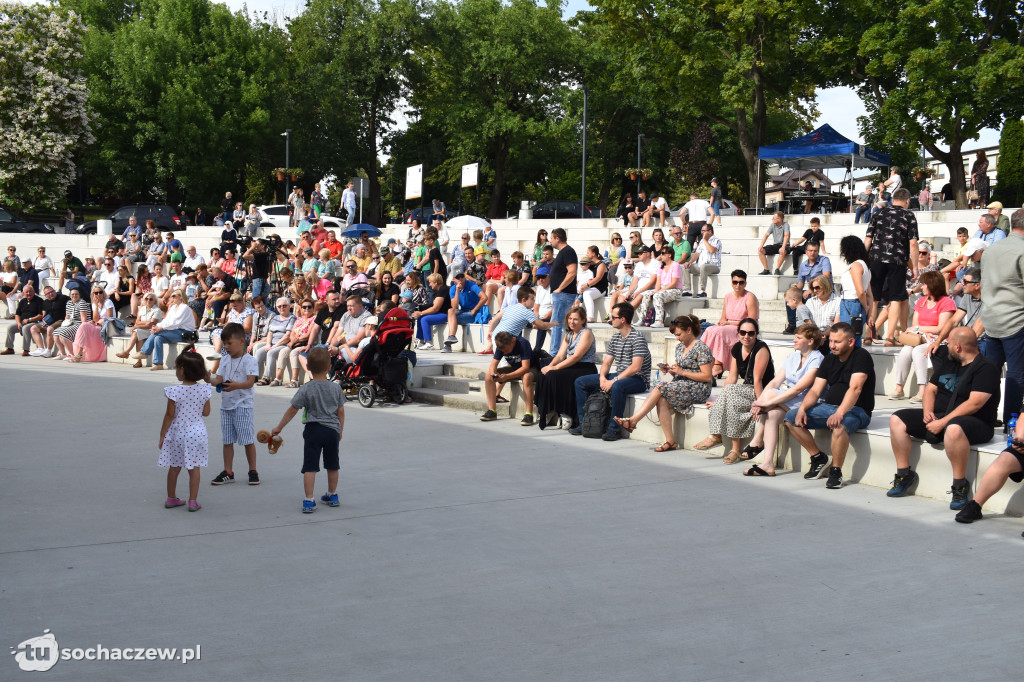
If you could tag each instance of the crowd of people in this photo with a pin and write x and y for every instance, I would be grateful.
(288, 298)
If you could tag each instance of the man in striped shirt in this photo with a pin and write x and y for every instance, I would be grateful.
(628, 350)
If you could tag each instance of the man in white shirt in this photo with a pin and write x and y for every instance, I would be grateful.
(660, 208)
(894, 182)
(107, 276)
(708, 262)
(348, 202)
(442, 236)
(695, 215)
(193, 260)
(644, 271)
(177, 278)
(161, 285)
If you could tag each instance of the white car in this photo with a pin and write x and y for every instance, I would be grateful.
(728, 208)
(277, 216)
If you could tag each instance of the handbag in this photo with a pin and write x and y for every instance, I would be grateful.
(973, 194)
(911, 339)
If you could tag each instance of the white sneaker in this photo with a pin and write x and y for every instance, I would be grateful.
(657, 324)
(425, 346)
(47, 353)
(565, 422)
(38, 352)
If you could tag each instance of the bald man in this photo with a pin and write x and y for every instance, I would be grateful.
(959, 410)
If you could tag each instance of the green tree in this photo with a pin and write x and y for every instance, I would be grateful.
(44, 119)
(351, 59)
(935, 72)
(186, 93)
(1010, 178)
(731, 61)
(492, 81)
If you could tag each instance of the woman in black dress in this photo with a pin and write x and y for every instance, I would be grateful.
(556, 390)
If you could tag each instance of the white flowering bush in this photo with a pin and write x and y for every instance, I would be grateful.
(44, 118)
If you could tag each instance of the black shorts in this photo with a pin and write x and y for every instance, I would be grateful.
(889, 282)
(317, 438)
(976, 430)
(693, 231)
(1017, 476)
(772, 249)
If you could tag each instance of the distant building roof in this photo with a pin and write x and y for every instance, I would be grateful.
(793, 180)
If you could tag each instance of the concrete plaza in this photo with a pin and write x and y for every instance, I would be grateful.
(471, 551)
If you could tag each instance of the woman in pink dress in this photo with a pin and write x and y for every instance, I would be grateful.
(88, 346)
(739, 304)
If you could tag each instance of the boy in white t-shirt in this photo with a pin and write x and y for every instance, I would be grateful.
(543, 305)
(234, 381)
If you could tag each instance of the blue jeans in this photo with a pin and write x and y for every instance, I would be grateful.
(154, 344)
(817, 417)
(260, 287)
(849, 309)
(560, 305)
(1008, 349)
(586, 385)
(423, 332)
(862, 211)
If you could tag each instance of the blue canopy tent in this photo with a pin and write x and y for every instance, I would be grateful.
(822, 148)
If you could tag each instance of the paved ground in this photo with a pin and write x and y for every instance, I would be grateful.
(469, 551)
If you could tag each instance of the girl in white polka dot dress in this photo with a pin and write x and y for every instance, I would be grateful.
(183, 438)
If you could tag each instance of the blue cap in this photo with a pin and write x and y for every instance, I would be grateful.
(543, 272)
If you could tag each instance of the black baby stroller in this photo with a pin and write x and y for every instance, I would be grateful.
(380, 371)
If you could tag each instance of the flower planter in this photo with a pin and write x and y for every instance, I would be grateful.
(280, 177)
(645, 177)
(295, 177)
(632, 176)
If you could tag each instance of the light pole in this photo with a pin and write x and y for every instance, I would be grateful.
(287, 135)
(583, 182)
(639, 137)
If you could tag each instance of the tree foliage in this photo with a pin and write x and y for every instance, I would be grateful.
(1010, 178)
(493, 82)
(935, 72)
(186, 93)
(43, 114)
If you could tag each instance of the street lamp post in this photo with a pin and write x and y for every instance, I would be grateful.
(583, 182)
(287, 135)
(639, 137)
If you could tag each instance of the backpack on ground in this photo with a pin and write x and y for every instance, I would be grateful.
(596, 411)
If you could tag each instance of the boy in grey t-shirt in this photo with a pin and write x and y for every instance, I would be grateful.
(323, 403)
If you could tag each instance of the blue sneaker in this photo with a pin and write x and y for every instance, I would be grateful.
(308, 506)
(901, 484)
(330, 499)
(961, 496)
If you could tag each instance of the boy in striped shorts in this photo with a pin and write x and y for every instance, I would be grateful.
(234, 381)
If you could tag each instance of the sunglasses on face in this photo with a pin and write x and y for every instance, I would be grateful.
(628, 267)
(307, 307)
(750, 332)
(815, 288)
(739, 281)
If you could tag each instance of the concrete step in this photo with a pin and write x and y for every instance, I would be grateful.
(454, 384)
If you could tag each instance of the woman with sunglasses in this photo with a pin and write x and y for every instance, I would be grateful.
(277, 341)
(538, 247)
(750, 370)
(615, 253)
(300, 339)
(149, 315)
(783, 393)
(177, 320)
(931, 313)
(824, 304)
(88, 345)
(739, 304)
(124, 290)
(685, 384)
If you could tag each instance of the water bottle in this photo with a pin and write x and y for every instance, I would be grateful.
(1011, 428)
(657, 376)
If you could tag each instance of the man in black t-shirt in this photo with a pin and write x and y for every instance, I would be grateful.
(812, 235)
(849, 375)
(259, 258)
(642, 210)
(519, 365)
(54, 309)
(959, 410)
(562, 284)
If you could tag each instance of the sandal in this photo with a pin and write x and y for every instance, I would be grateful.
(275, 383)
(892, 343)
(501, 399)
(123, 356)
(292, 384)
(751, 451)
(755, 470)
(264, 381)
(867, 342)
(629, 427)
(732, 457)
(664, 447)
(707, 443)
(138, 363)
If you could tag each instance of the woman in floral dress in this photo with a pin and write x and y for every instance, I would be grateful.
(690, 381)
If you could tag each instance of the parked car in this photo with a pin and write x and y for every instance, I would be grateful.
(423, 214)
(165, 217)
(565, 209)
(728, 208)
(276, 216)
(12, 222)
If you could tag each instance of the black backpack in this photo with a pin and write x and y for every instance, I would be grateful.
(596, 411)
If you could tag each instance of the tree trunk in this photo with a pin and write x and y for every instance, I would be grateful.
(497, 201)
(953, 160)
